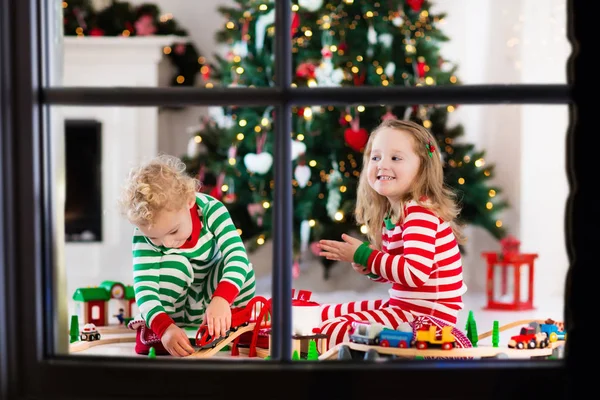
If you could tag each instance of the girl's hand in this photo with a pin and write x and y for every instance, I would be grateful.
(340, 251)
(218, 317)
(176, 341)
(360, 269)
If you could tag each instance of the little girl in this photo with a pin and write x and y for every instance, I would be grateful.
(189, 263)
(410, 214)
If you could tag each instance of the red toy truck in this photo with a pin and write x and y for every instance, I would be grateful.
(528, 338)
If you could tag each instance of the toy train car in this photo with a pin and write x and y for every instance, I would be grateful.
(529, 338)
(373, 333)
(427, 337)
(90, 333)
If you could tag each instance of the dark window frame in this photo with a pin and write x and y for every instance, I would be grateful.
(28, 367)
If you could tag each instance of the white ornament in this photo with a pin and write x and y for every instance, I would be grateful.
(398, 21)
(390, 68)
(327, 76)
(240, 48)
(334, 197)
(218, 115)
(385, 39)
(371, 35)
(297, 148)
(258, 163)
(311, 5)
(261, 28)
(302, 175)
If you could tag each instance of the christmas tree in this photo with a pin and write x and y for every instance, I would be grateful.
(313, 353)
(74, 329)
(496, 334)
(120, 18)
(335, 43)
(472, 329)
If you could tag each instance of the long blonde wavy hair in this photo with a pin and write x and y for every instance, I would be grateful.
(372, 208)
(160, 184)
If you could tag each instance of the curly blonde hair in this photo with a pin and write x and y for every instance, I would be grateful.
(371, 207)
(160, 184)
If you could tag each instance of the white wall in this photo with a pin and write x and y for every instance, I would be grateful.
(500, 42)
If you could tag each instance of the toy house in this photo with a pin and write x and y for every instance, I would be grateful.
(92, 303)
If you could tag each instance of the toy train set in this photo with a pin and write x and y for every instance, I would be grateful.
(427, 338)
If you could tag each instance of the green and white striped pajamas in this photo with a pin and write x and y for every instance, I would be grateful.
(181, 282)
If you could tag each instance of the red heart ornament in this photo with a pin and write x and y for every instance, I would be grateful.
(356, 139)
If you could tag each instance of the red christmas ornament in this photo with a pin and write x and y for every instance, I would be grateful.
(356, 138)
(306, 70)
(96, 32)
(415, 4)
(359, 80)
(421, 67)
(326, 52)
(295, 23)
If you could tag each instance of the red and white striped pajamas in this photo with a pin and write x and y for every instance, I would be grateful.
(421, 259)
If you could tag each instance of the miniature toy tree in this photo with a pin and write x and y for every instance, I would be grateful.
(74, 332)
(313, 353)
(152, 353)
(296, 356)
(334, 43)
(472, 329)
(495, 334)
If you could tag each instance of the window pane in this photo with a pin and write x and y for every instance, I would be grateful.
(186, 248)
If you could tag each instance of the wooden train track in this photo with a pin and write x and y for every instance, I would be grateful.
(84, 345)
(511, 325)
(213, 350)
(458, 353)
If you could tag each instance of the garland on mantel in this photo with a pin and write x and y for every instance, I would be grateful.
(120, 18)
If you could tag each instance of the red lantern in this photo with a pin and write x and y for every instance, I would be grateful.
(507, 294)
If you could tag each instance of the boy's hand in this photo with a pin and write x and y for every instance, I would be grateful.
(340, 251)
(360, 269)
(218, 317)
(176, 341)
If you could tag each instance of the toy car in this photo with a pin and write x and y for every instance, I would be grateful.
(90, 333)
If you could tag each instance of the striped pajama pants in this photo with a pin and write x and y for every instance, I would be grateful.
(336, 318)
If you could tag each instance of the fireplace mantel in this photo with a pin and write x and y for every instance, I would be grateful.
(114, 61)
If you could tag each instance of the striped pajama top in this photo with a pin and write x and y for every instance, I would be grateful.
(171, 291)
(421, 258)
